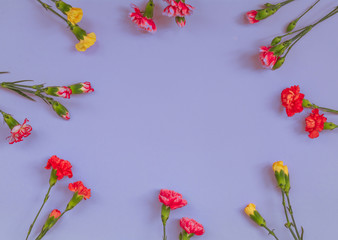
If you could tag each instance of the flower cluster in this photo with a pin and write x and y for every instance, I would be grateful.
(59, 169)
(176, 8)
(172, 200)
(273, 56)
(281, 173)
(74, 16)
(294, 102)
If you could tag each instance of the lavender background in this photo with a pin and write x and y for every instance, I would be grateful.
(185, 109)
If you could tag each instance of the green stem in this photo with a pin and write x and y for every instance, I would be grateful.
(164, 232)
(47, 7)
(313, 106)
(292, 217)
(298, 37)
(37, 215)
(288, 224)
(308, 10)
(271, 232)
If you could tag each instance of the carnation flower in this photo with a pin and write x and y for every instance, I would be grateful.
(251, 16)
(144, 22)
(268, 58)
(292, 100)
(191, 226)
(63, 167)
(74, 15)
(171, 199)
(315, 123)
(20, 131)
(55, 213)
(85, 43)
(80, 189)
(79, 88)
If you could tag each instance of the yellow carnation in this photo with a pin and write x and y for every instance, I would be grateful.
(86, 42)
(279, 166)
(75, 15)
(250, 209)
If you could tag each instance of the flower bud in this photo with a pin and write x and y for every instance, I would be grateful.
(51, 220)
(276, 40)
(62, 6)
(64, 92)
(165, 213)
(330, 126)
(282, 176)
(80, 88)
(306, 103)
(279, 63)
(292, 25)
(251, 211)
(60, 110)
(180, 21)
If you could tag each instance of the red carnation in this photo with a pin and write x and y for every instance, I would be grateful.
(142, 21)
(55, 213)
(63, 167)
(191, 226)
(171, 199)
(20, 131)
(268, 58)
(314, 123)
(251, 16)
(292, 100)
(80, 189)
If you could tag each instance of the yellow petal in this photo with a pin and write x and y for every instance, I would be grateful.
(250, 209)
(86, 42)
(75, 15)
(279, 166)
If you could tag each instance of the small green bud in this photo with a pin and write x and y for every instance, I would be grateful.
(330, 126)
(276, 40)
(279, 63)
(60, 110)
(292, 25)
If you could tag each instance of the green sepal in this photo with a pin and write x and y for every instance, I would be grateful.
(306, 103)
(76, 199)
(165, 212)
(51, 91)
(292, 25)
(276, 40)
(149, 11)
(63, 7)
(267, 12)
(53, 178)
(329, 126)
(257, 218)
(78, 32)
(185, 236)
(279, 63)
(76, 88)
(11, 122)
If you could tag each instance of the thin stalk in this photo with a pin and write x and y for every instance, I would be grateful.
(37, 215)
(47, 7)
(271, 232)
(299, 36)
(292, 217)
(286, 2)
(308, 9)
(164, 232)
(288, 224)
(313, 106)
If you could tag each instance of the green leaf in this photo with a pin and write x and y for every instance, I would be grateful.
(22, 94)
